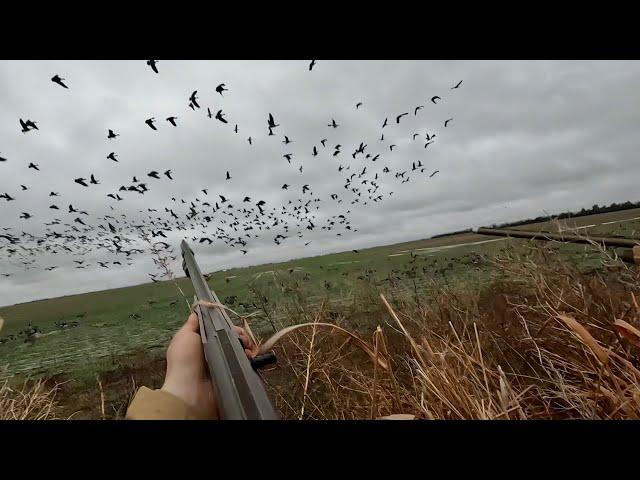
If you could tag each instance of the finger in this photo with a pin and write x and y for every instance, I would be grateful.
(192, 324)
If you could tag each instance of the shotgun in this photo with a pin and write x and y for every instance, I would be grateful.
(239, 390)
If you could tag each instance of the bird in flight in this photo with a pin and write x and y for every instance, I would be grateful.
(172, 121)
(112, 135)
(34, 166)
(24, 188)
(415, 112)
(323, 141)
(209, 114)
(286, 140)
(391, 147)
(288, 157)
(285, 186)
(193, 99)
(220, 88)
(333, 124)
(112, 156)
(152, 64)
(434, 98)
(272, 123)
(447, 121)
(457, 86)
(168, 174)
(358, 105)
(400, 116)
(315, 151)
(433, 173)
(153, 174)
(94, 181)
(313, 62)
(249, 140)
(228, 176)
(2, 159)
(385, 123)
(219, 116)
(58, 80)
(81, 181)
(236, 128)
(28, 125)
(149, 121)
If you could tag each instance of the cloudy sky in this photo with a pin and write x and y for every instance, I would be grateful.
(527, 138)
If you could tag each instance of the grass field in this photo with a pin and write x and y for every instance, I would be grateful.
(115, 324)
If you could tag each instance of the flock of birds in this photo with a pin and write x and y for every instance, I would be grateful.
(207, 218)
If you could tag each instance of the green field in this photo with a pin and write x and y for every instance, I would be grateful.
(116, 322)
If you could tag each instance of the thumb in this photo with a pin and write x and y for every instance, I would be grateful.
(192, 324)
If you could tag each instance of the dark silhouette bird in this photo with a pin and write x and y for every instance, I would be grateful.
(209, 114)
(152, 64)
(434, 98)
(427, 144)
(222, 198)
(168, 174)
(285, 186)
(415, 112)
(204, 190)
(134, 180)
(219, 116)
(457, 86)
(2, 159)
(391, 147)
(28, 125)
(288, 157)
(447, 121)
(149, 121)
(315, 151)
(305, 188)
(385, 122)
(286, 140)
(415, 135)
(193, 99)
(434, 173)
(228, 176)
(112, 135)
(94, 181)
(23, 188)
(244, 252)
(249, 140)
(220, 88)
(153, 174)
(60, 81)
(235, 129)
(333, 124)
(26, 215)
(271, 122)
(400, 116)
(313, 62)
(382, 138)
(323, 141)
(358, 105)
(112, 156)
(172, 121)
(34, 166)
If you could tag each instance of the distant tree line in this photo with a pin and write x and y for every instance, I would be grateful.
(614, 207)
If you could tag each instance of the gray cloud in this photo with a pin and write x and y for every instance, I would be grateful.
(528, 137)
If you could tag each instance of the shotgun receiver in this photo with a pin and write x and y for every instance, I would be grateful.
(239, 390)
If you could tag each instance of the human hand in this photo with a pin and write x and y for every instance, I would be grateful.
(187, 374)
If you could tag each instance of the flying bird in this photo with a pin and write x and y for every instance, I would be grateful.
(209, 114)
(415, 112)
(149, 121)
(193, 99)
(447, 121)
(94, 181)
(153, 174)
(112, 156)
(34, 166)
(228, 176)
(333, 124)
(434, 98)
(271, 123)
(112, 135)
(249, 140)
(433, 173)
(385, 123)
(313, 62)
(172, 121)
(152, 64)
(28, 125)
(285, 186)
(457, 86)
(358, 105)
(286, 140)
(58, 80)
(400, 116)
(168, 174)
(219, 116)
(220, 88)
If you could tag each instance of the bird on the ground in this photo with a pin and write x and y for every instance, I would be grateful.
(220, 88)
(172, 121)
(152, 64)
(60, 81)
(112, 156)
(149, 121)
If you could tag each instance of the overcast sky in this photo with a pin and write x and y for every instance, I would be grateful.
(527, 138)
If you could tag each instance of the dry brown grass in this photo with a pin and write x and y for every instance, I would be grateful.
(34, 400)
(544, 342)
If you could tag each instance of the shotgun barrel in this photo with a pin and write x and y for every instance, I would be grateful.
(239, 390)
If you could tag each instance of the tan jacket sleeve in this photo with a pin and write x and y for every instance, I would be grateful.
(160, 405)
